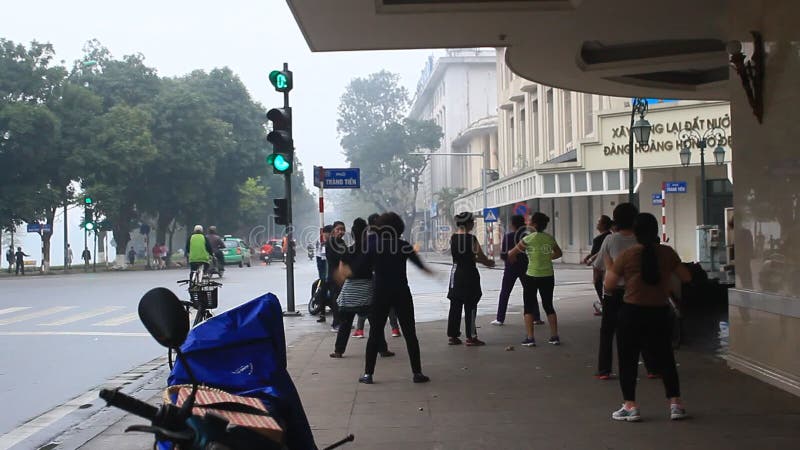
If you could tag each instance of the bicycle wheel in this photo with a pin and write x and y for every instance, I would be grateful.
(200, 316)
(315, 302)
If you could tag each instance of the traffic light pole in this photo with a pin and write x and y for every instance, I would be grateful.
(290, 307)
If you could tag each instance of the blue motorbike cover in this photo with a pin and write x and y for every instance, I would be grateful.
(243, 351)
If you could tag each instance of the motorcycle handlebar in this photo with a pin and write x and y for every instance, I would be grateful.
(129, 404)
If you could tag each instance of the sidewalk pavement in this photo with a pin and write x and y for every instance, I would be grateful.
(505, 396)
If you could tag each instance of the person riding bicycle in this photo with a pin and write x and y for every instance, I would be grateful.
(216, 246)
(199, 250)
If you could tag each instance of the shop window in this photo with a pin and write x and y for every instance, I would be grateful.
(564, 184)
(613, 181)
(597, 181)
(580, 182)
(549, 183)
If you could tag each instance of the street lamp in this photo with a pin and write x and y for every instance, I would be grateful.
(641, 131)
(688, 137)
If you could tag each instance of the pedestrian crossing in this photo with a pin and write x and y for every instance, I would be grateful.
(65, 316)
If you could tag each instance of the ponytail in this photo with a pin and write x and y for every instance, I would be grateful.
(645, 227)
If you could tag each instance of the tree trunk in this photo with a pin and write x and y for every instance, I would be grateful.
(171, 233)
(51, 214)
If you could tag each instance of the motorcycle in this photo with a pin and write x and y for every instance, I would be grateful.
(213, 419)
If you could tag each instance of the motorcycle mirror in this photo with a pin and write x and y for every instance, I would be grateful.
(164, 317)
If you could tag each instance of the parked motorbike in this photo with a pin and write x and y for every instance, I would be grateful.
(167, 321)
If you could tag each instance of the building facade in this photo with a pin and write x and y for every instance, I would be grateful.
(565, 154)
(458, 91)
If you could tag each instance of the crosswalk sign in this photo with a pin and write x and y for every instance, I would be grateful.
(491, 214)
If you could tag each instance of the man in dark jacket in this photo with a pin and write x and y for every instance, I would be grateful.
(216, 246)
(512, 271)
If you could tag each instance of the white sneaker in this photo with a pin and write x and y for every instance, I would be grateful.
(497, 323)
(677, 412)
(627, 415)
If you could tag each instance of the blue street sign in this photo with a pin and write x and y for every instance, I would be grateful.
(520, 209)
(491, 214)
(657, 199)
(675, 187)
(34, 228)
(47, 228)
(444, 228)
(343, 178)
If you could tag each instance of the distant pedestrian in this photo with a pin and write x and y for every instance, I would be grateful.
(541, 249)
(356, 294)
(513, 271)
(389, 256)
(645, 320)
(164, 252)
(612, 247)
(156, 252)
(131, 256)
(604, 228)
(86, 256)
(465, 281)
(20, 264)
(69, 257)
(335, 247)
(10, 257)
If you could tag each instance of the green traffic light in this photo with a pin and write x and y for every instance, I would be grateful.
(280, 163)
(280, 80)
(87, 200)
(89, 226)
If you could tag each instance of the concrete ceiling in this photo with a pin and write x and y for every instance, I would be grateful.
(665, 48)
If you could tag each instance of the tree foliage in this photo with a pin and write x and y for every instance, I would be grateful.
(182, 150)
(376, 137)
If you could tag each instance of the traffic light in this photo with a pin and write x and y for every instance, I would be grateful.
(88, 219)
(281, 211)
(281, 80)
(87, 201)
(281, 139)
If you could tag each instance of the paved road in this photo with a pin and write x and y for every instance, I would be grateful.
(61, 336)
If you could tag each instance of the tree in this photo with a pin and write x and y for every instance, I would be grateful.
(113, 167)
(446, 198)
(376, 138)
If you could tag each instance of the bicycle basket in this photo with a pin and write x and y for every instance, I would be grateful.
(206, 296)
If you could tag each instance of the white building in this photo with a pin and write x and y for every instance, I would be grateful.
(455, 91)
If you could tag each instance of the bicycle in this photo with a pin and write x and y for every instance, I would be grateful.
(203, 297)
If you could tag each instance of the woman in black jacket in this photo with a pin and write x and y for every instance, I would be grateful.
(389, 254)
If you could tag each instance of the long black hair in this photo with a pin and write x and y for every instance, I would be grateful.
(358, 231)
(645, 228)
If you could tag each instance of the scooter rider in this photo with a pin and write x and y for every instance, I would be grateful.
(216, 246)
(198, 249)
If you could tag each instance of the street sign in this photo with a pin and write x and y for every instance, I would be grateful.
(47, 228)
(657, 199)
(491, 214)
(434, 209)
(34, 228)
(520, 209)
(317, 171)
(343, 178)
(675, 187)
(444, 228)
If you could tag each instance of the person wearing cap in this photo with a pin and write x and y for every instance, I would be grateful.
(199, 250)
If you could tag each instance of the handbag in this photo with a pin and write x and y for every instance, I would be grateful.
(356, 295)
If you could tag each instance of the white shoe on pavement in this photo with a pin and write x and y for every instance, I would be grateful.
(497, 323)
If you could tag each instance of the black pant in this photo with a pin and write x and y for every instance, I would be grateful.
(608, 327)
(650, 328)
(598, 283)
(20, 267)
(510, 276)
(545, 287)
(345, 323)
(454, 319)
(331, 294)
(362, 318)
(404, 307)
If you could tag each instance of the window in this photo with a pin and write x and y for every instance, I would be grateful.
(613, 181)
(535, 127)
(597, 181)
(549, 184)
(588, 118)
(580, 182)
(564, 184)
(511, 141)
(551, 126)
(568, 115)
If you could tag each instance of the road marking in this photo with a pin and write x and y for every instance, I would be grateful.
(14, 309)
(72, 333)
(117, 320)
(83, 316)
(36, 314)
(27, 430)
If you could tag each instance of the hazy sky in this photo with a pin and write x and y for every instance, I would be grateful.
(252, 37)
